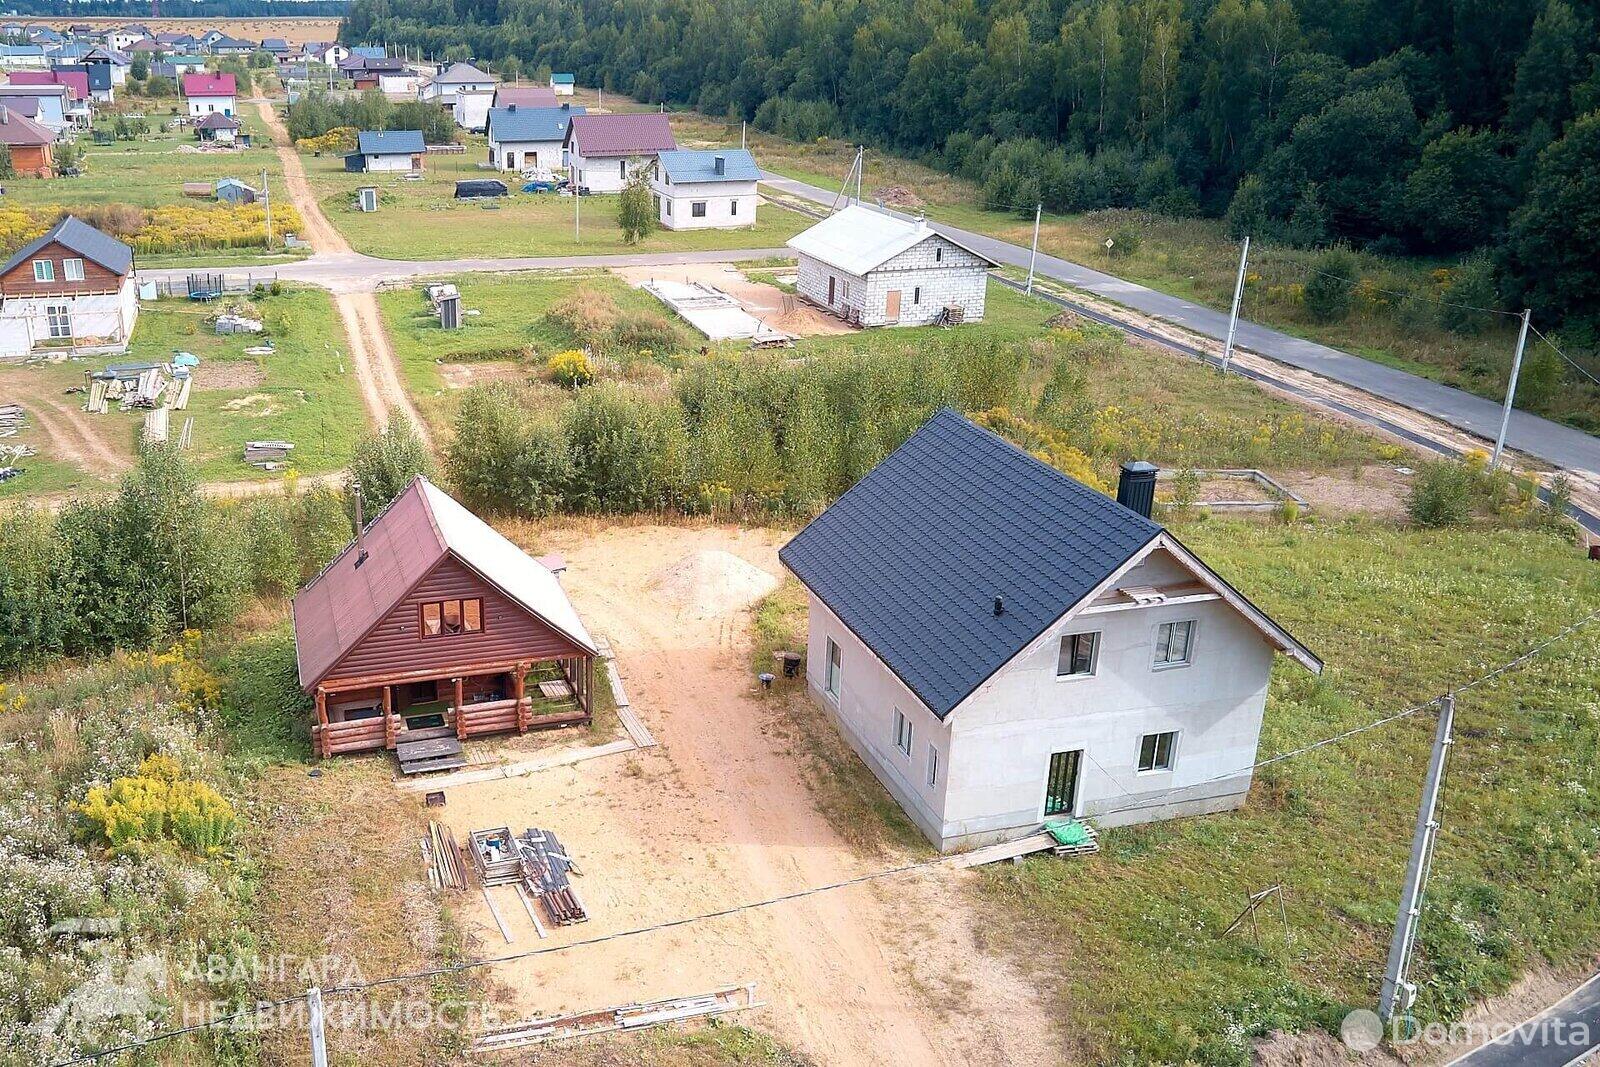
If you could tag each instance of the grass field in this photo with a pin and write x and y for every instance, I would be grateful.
(422, 220)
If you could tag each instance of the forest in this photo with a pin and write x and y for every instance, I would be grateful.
(1427, 127)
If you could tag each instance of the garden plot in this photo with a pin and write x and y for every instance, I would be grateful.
(720, 814)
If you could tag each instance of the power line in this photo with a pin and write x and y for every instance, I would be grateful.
(1563, 355)
(872, 876)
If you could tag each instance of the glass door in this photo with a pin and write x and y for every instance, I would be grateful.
(1061, 785)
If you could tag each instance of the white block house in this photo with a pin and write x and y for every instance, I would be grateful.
(71, 286)
(471, 110)
(562, 84)
(529, 138)
(604, 151)
(1001, 644)
(387, 150)
(712, 189)
(442, 88)
(872, 268)
(210, 94)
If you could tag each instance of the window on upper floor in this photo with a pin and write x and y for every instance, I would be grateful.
(1155, 751)
(1077, 656)
(938, 255)
(442, 618)
(1174, 643)
(72, 269)
(44, 270)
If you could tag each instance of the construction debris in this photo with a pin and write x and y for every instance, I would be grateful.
(155, 425)
(231, 323)
(612, 1020)
(267, 455)
(140, 384)
(536, 863)
(443, 857)
(716, 314)
(12, 419)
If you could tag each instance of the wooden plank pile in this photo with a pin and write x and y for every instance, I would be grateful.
(267, 455)
(545, 866)
(12, 419)
(443, 858)
(639, 1016)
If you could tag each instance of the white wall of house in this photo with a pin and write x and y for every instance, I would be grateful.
(399, 84)
(388, 161)
(119, 74)
(99, 319)
(606, 174)
(526, 155)
(727, 205)
(561, 88)
(995, 748)
(928, 278)
(200, 106)
(471, 110)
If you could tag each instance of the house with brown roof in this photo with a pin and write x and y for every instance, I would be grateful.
(70, 287)
(28, 141)
(604, 151)
(431, 628)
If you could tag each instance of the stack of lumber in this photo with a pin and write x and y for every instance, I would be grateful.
(443, 857)
(545, 866)
(155, 425)
(267, 454)
(12, 418)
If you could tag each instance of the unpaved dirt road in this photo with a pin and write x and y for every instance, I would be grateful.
(371, 354)
(75, 439)
(718, 815)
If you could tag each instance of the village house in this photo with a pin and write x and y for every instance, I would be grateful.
(529, 138)
(604, 151)
(29, 142)
(217, 129)
(524, 96)
(431, 626)
(387, 150)
(126, 37)
(230, 46)
(113, 63)
(79, 101)
(713, 188)
(210, 94)
(331, 54)
(442, 88)
(562, 84)
(23, 57)
(471, 109)
(51, 103)
(874, 269)
(1002, 644)
(71, 286)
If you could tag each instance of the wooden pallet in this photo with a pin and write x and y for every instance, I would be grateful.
(429, 754)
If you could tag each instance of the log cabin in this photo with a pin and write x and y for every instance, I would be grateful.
(431, 623)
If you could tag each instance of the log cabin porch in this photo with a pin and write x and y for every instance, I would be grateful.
(416, 714)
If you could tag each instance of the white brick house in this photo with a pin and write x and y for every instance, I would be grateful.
(710, 189)
(875, 269)
(1001, 644)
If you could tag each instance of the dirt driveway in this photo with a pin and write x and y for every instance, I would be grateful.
(718, 815)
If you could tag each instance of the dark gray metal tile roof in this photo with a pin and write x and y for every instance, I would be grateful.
(80, 237)
(912, 557)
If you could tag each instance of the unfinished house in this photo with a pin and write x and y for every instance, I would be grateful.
(1002, 644)
(872, 268)
(70, 288)
(431, 628)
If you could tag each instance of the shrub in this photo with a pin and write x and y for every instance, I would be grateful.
(384, 463)
(571, 369)
(1328, 290)
(501, 461)
(1123, 241)
(586, 315)
(645, 331)
(1442, 494)
(158, 804)
(636, 207)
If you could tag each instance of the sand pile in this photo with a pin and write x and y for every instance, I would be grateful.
(712, 582)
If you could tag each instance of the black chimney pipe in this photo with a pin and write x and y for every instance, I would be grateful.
(1136, 488)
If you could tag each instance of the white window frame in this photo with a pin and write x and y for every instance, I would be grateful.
(834, 670)
(63, 312)
(902, 733)
(1163, 660)
(1156, 766)
(933, 766)
(47, 274)
(72, 270)
(1062, 655)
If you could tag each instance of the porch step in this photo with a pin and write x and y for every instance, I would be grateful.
(420, 755)
(434, 763)
(426, 733)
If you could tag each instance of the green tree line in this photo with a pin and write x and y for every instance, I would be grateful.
(1429, 126)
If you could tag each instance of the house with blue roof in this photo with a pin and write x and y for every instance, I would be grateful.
(705, 189)
(529, 138)
(387, 150)
(1004, 645)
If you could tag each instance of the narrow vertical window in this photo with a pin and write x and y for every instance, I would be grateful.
(833, 669)
(933, 765)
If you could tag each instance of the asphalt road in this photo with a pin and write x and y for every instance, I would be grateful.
(1552, 442)
(1564, 1033)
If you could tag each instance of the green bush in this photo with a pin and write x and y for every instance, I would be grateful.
(1442, 494)
(1328, 290)
(384, 463)
(503, 462)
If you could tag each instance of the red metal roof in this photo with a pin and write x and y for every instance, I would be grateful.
(404, 543)
(621, 135)
(209, 84)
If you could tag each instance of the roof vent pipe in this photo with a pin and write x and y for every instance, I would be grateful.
(361, 529)
(999, 605)
(1136, 487)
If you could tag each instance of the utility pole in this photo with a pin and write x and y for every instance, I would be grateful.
(741, 135)
(1238, 295)
(577, 211)
(266, 204)
(1511, 389)
(1399, 994)
(861, 165)
(1033, 256)
(319, 1042)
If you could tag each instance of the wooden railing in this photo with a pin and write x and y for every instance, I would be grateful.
(503, 716)
(358, 735)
